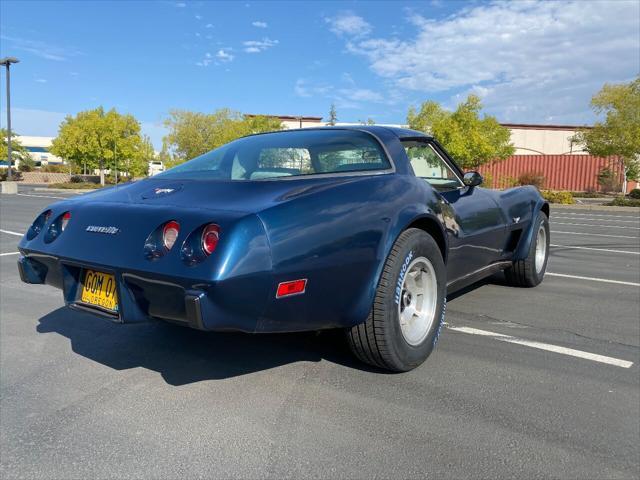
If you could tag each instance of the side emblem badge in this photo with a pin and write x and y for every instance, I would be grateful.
(516, 219)
(163, 191)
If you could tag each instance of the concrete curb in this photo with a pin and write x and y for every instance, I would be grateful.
(604, 208)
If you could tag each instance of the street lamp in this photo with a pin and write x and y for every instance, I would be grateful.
(7, 61)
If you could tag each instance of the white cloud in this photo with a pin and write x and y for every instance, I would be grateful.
(255, 46)
(303, 88)
(529, 60)
(206, 61)
(361, 95)
(259, 24)
(181, 5)
(198, 17)
(349, 24)
(41, 49)
(224, 56)
(209, 25)
(41, 80)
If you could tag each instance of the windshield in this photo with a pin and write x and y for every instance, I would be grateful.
(286, 154)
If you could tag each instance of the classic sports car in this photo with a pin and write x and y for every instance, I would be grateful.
(360, 228)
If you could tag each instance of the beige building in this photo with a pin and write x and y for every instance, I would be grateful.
(544, 139)
(38, 148)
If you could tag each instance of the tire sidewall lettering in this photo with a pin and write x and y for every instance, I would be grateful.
(401, 275)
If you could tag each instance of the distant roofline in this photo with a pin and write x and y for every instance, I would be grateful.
(532, 126)
(286, 117)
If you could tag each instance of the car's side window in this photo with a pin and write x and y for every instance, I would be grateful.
(428, 164)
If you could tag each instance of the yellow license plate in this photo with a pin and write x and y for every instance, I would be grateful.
(99, 289)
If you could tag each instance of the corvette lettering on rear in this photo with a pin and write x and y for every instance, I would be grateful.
(101, 229)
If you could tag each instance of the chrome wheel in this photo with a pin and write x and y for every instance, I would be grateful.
(417, 306)
(541, 248)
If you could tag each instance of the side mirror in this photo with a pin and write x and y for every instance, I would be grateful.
(472, 179)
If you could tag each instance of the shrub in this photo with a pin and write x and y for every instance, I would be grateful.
(552, 196)
(625, 202)
(16, 176)
(75, 186)
(590, 193)
(635, 193)
(506, 181)
(55, 169)
(608, 181)
(76, 179)
(532, 178)
(27, 164)
(488, 179)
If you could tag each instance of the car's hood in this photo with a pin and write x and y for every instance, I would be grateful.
(239, 196)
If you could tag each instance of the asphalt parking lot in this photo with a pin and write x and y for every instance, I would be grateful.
(524, 383)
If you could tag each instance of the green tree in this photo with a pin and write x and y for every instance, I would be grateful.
(333, 115)
(18, 151)
(194, 133)
(103, 139)
(619, 133)
(472, 141)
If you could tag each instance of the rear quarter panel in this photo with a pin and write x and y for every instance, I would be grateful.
(338, 239)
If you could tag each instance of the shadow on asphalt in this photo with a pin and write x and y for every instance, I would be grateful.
(182, 355)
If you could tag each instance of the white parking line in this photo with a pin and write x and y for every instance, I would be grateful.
(594, 249)
(545, 346)
(592, 225)
(593, 219)
(12, 233)
(593, 279)
(595, 215)
(9, 253)
(593, 234)
(41, 196)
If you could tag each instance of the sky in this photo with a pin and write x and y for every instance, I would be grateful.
(529, 61)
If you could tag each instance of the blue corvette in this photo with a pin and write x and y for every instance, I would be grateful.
(360, 228)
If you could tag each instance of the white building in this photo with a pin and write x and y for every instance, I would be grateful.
(38, 148)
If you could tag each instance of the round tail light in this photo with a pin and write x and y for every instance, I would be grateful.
(170, 233)
(210, 237)
(65, 220)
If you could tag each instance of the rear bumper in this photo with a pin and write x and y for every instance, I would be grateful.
(142, 297)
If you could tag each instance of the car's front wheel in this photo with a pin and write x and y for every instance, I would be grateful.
(407, 314)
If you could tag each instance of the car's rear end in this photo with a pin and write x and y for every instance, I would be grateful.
(205, 268)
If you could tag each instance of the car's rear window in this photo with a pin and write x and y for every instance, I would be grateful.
(287, 154)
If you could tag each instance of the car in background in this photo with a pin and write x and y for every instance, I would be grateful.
(155, 167)
(364, 229)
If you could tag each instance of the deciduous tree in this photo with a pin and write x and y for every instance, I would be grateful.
(194, 133)
(619, 132)
(18, 151)
(100, 139)
(471, 140)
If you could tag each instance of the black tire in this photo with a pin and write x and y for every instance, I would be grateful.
(523, 273)
(379, 341)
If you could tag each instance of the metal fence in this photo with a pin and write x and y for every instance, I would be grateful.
(560, 172)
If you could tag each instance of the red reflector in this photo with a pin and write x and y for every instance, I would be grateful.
(170, 233)
(294, 287)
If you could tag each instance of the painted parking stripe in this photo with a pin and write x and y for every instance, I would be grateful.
(593, 234)
(599, 226)
(9, 253)
(9, 232)
(593, 219)
(41, 196)
(595, 215)
(594, 249)
(593, 279)
(545, 346)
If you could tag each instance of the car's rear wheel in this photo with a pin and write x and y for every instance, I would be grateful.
(405, 321)
(530, 271)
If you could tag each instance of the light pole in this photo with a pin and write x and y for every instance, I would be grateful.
(7, 61)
